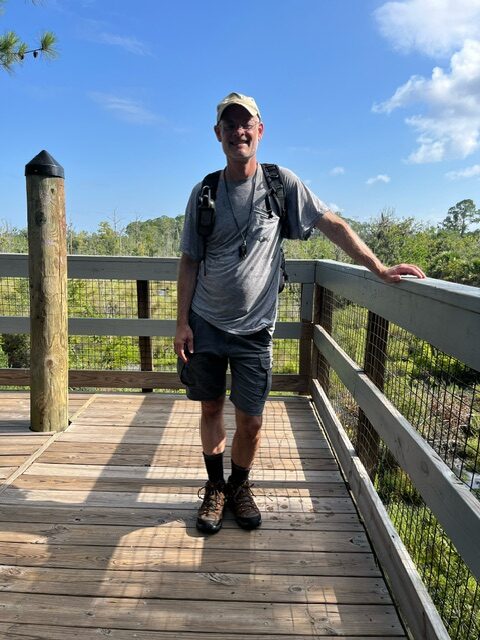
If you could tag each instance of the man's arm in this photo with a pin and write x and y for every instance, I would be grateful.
(341, 234)
(186, 282)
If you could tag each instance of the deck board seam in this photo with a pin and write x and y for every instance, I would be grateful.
(36, 454)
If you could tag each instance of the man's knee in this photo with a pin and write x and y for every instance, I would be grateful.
(213, 408)
(247, 425)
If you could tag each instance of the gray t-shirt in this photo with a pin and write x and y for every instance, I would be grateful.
(240, 295)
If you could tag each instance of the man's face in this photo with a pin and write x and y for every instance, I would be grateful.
(239, 133)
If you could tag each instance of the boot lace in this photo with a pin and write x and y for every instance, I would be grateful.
(212, 497)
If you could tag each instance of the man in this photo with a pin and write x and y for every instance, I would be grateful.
(227, 308)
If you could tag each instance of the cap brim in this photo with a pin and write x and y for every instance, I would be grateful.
(251, 110)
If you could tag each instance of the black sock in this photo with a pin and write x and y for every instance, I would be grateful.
(239, 474)
(214, 465)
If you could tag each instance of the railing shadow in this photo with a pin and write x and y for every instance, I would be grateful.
(96, 537)
(126, 556)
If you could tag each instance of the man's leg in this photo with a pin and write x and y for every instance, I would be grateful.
(212, 428)
(251, 367)
(213, 436)
(246, 439)
(244, 447)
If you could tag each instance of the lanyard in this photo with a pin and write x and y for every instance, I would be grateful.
(242, 249)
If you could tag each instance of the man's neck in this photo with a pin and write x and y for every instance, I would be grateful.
(240, 171)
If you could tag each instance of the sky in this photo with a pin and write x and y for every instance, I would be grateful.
(374, 104)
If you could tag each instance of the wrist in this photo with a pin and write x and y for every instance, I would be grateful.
(377, 267)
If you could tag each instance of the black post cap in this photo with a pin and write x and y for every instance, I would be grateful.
(44, 165)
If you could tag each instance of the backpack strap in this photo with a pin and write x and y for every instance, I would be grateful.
(206, 204)
(211, 180)
(277, 191)
(206, 209)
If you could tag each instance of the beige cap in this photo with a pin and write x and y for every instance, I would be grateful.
(246, 102)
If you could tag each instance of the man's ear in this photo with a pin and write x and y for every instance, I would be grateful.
(217, 130)
(260, 130)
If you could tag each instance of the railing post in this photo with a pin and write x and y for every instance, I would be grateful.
(374, 365)
(323, 316)
(144, 342)
(305, 350)
(48, 294)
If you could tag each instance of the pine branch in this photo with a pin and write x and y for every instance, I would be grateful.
(13, 50)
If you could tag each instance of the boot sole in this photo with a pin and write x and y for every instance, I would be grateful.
(248, 525)
(208, 528)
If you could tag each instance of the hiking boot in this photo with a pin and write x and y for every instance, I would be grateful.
(210, 513)
(241, 502)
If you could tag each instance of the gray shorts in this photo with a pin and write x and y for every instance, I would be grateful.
(250, 359)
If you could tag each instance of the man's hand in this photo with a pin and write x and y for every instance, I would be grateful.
(183, 338)
(393, 274)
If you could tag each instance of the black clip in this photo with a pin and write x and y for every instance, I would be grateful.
(206, 212)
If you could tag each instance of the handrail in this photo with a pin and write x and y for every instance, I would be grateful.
(428, 309)
(442, 491)
(424, 307)
(15, 265)
(447, 316)
(144, 269)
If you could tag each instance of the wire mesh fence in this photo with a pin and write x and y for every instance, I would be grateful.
(440, 397)
(156, 300)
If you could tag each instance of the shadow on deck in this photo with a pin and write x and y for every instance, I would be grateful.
(98, 531)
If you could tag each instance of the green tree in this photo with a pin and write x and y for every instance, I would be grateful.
(460, 216)
(17, 349)
(13, 49)
(394, 240)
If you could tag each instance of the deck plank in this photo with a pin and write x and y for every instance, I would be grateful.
(47, 632)
(98, 531)
(173, 615)
(17, 441)
(213, 586)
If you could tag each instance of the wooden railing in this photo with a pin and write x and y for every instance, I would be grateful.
(445, 315)
(141, 271)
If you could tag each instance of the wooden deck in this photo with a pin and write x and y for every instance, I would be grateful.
(98, 538)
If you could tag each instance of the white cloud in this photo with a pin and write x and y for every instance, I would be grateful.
(447, 122)
(125, 109)
(98, 31)
(125, 42)
(452, 127)
(432, 27)
(380, 178)
(334, 207)
(468, 172)
(337, 171)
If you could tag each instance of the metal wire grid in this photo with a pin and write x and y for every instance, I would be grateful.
(440, 398)
(119, 299)
(446, 401)
(286, 352)
(14, 297)
(439, 395)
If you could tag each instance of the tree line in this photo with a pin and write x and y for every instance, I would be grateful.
(448, 251)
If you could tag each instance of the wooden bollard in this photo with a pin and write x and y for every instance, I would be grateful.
(48, 294)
